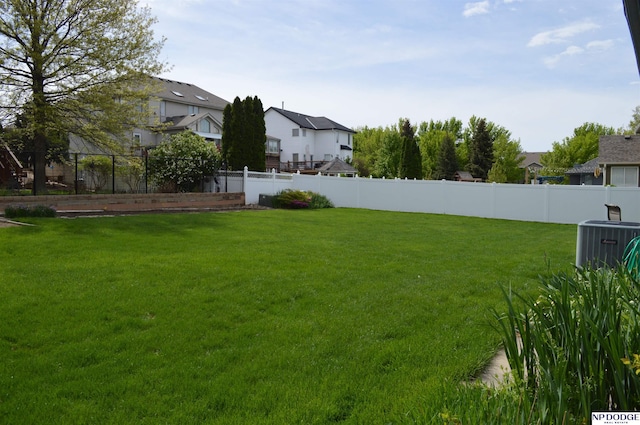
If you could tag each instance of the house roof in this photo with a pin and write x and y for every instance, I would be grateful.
(531, 159)
(465, 176)
(313, 123)
(337, 166)
(189, 93)
(620, 149)
(588, 167)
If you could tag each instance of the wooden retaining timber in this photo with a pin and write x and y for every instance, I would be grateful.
(129, 203)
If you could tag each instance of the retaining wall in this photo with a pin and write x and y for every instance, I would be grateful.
(129, 203)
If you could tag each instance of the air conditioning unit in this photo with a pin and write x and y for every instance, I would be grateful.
(602, 242)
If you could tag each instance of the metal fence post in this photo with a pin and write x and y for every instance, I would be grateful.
(146, 171)
(75, 156)
(113, 174)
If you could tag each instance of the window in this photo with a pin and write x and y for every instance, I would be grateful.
(177, 93)
(304, 132)
(205, 126)
(624, 176)
(163, 108)
(193, 110)
(273, 147)
(328, 157)
(295, 132)
(201, 98)
(137, 139)
(349, 140)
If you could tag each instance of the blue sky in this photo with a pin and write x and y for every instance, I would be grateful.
(539, 68)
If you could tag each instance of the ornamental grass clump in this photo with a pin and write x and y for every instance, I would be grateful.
(300, 199)
(569, 348)
(18, 211)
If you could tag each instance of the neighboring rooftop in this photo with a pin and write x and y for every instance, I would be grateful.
(189, 93)
(313, 123)
(588, 167)
(620, 149)
(531, 159)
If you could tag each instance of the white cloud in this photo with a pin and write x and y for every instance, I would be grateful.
(561, 35)
(478, 8)
(552, 61)
(600, 45)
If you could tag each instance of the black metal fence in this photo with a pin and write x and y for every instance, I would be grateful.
(99, 173)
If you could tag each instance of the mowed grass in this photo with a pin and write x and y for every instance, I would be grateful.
(256, 317)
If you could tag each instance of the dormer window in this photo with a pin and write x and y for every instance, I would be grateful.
(177, 93)
(204, 99)
(205, 126)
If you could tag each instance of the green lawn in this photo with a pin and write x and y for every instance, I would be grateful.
(255, 317)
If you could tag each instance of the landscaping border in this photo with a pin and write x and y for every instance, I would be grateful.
(129, 203)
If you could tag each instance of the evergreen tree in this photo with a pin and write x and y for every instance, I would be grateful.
(447, 161)
(227, 134)
(258, 158)
(244, 134)
(480, 151)
(411, 161)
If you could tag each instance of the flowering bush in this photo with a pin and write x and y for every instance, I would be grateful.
(179, 163)
(299, 199)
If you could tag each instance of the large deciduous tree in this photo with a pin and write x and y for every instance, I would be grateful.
(507, 161)
(431, 136)
(76, 66)
(244, 134)
(582, 146)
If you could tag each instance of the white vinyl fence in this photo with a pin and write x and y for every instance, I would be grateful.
(543, 203)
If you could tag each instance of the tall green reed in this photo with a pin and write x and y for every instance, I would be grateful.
(568, 347)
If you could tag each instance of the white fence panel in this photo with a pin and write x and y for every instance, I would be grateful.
(544, 203)
(264, 183)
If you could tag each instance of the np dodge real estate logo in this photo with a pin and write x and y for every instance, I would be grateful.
(615, 418)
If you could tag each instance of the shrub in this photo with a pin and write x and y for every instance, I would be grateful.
(299, 199)
(570, 347)
(182, 161)
(13, 211)
(98, 168)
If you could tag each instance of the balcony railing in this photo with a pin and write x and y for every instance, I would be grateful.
(302, 166)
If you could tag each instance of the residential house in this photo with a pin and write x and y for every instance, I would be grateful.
(588, 173)
(183, 106)
(531, 165)
(176, 107)
(307, 142)
(620, 160)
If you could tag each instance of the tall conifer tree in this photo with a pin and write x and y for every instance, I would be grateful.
(481, 151)
(411, 161)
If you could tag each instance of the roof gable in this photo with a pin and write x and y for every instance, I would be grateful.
(337, 166)
(531, 159)
(184, 121)
(620, 149)
(313, 123)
